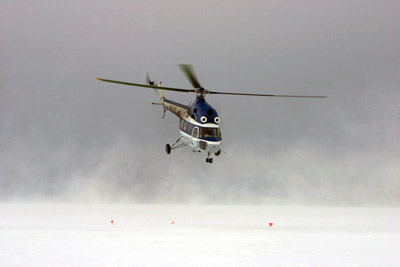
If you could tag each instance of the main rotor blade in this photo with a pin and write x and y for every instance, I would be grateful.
(304, 96)
(188, 71)
(149, 86)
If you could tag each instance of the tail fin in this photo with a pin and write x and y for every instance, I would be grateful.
(150, 82)
(161, 94)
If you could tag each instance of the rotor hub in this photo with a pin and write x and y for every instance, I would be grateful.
(201, 92)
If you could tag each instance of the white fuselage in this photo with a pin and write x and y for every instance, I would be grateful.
(192, 135)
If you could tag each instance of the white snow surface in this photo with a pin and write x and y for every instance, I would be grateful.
(202, 235)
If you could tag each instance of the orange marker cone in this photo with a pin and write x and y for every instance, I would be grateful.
(173, 222)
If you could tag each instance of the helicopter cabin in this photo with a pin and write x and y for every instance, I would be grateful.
(196, 131)
(196, 134)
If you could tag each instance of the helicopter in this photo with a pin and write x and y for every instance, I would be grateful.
(199, 123)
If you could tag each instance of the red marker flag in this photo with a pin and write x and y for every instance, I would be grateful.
(112, 221)
(270, 224)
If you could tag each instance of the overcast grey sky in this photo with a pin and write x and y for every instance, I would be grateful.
(67, 137)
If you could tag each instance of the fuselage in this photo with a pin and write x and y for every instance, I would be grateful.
(198, 125)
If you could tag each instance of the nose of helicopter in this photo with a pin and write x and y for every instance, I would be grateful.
(210, 146)
(214, 147)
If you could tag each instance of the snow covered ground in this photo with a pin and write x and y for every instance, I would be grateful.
(82, 235)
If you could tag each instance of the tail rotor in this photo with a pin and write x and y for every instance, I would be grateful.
(154, 86)
(148, 81)
(152, 83)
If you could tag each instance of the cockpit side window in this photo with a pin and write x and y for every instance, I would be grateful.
(190, 127)
(184, 126)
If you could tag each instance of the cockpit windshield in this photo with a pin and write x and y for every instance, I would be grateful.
(210, 132)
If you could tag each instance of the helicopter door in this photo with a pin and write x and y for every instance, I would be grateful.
(195, 136)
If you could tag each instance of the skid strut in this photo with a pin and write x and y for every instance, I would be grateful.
(168, 148)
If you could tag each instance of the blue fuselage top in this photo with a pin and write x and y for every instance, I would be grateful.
(200, 108)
